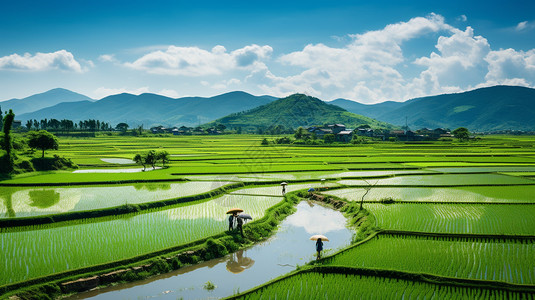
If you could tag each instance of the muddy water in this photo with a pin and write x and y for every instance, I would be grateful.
(240, 271)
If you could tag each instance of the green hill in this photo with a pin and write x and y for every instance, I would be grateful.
(294, 111)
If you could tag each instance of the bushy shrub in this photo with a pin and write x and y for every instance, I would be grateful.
(53, 163)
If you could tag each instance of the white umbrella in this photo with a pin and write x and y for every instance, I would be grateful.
(319, 236)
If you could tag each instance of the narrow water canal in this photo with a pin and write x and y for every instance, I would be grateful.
(289, 247)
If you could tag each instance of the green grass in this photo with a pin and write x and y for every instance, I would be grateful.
(30, 252)
(456, 218)
(484, 259)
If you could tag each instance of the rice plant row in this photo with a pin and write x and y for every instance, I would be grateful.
(277, 190)
(443, 180)
(456, 218)
(26, 202)
(487, 194)
(485, 259)
(321, 286)
(41, 250)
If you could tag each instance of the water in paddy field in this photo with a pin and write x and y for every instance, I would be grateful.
(243, 270)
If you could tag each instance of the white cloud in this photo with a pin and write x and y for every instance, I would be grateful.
(194, 61)
(364, 69)
(461, 53)
(462, 18)
(107, 58)
(521, 26)
(511, 67)
(62, 60)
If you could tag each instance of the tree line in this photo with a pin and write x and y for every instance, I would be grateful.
(68, 125)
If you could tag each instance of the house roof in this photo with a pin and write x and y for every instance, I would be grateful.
(344, 132)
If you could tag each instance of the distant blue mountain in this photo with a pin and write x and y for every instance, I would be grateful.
(151, 109)
(484, 109)
(40, 101)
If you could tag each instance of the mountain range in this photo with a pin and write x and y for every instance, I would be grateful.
(485, 109)
(42, 100)
(151, 109)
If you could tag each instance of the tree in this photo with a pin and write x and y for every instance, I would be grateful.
(163, 156)
(139, 159)
(367, 189)
(42, 140)
(329, 138)
(461, 133)
(1, 118)
(151, 158)
(220, 127)
(299, 133)
(8, 145)
(122, 127)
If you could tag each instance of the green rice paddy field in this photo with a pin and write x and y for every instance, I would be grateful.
(444, 195)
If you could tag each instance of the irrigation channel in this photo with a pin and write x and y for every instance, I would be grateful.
(288, 247)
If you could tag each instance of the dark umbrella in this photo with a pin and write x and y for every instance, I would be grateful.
(311, 189)
(245, 216)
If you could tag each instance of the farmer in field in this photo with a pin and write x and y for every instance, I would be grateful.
(231, 221)
(319, 247)
(239, 221)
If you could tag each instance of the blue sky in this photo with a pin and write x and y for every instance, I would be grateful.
(368, 51)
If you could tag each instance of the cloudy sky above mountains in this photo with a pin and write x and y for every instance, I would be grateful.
(369, 51)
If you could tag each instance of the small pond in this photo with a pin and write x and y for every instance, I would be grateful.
(120, 161)
(289, 247)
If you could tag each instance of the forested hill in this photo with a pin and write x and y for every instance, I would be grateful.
(297, 110)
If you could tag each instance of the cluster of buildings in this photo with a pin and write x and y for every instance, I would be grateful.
(344, 135)
(183, 130)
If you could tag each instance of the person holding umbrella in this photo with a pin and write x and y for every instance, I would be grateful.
(233, 215)
(284, 184)
(231, 221)
(319, 238)
(240, 220)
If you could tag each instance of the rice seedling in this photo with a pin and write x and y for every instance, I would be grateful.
(475, 194)
(456, 218)
(316, 285)
(505, 260)
(445, 180)
(40, 250)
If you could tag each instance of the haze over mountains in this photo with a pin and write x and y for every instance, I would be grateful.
(486, 109)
